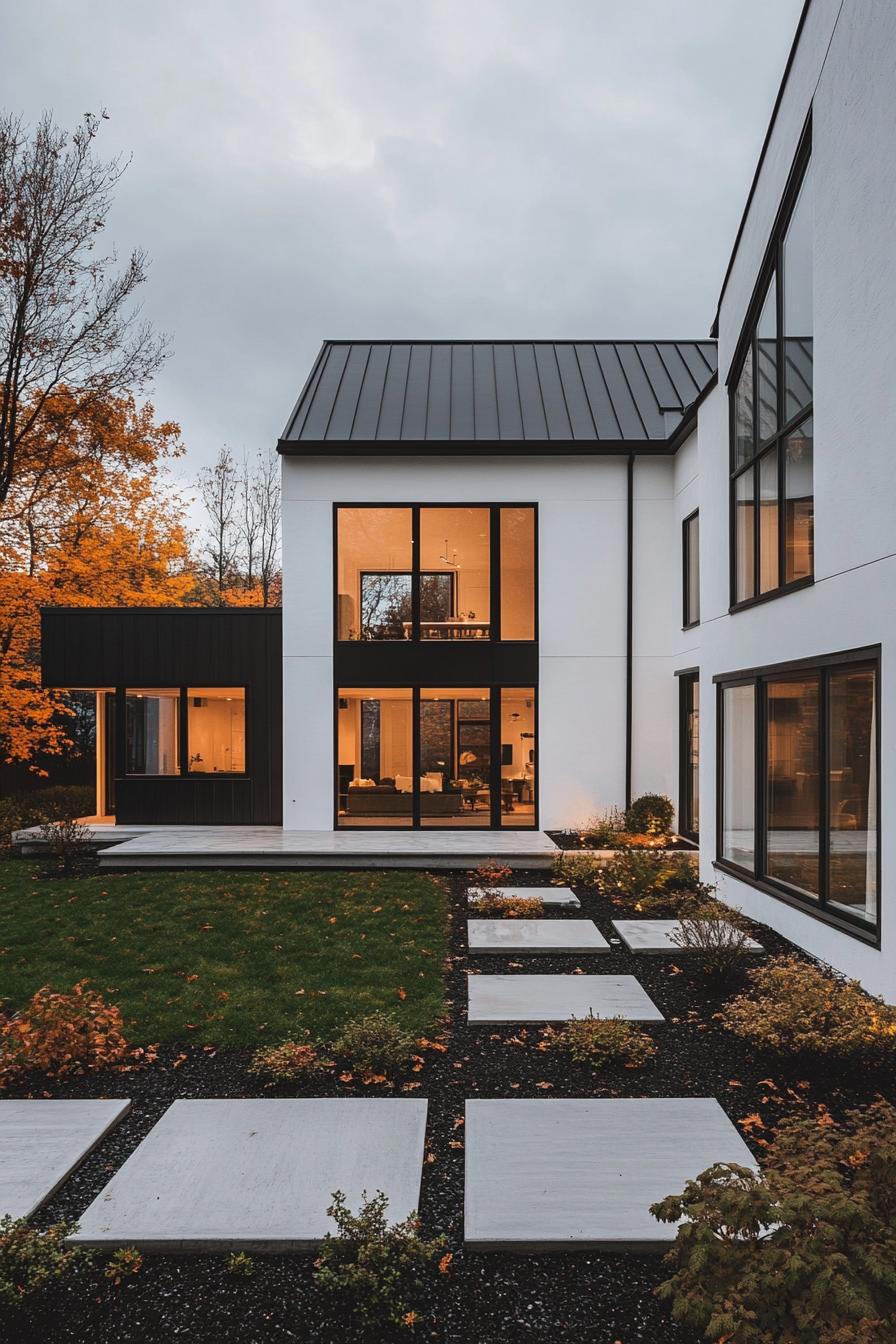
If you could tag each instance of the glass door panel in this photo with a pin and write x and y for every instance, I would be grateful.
(375, 757)
(518, 756)
(455, 757)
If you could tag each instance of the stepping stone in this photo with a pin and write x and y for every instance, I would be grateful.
(549, 1175)
(557, 998)
(258, 1175)
(547, 895)
(42, 1142)
(534, 935)
(655, 936)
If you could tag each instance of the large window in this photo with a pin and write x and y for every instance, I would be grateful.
(456, 757)
(152, 722)
(196, 730)
(435, 572)
(799, 784)
(772, 504)
(690, 570)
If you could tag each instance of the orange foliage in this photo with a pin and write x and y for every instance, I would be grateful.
(62, 1033)
(90, 521)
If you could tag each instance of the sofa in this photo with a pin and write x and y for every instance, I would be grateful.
(383, 799)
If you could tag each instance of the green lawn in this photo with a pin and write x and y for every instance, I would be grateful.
(234, 958)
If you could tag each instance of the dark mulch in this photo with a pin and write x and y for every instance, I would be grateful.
(577, 840)
(489, 1299)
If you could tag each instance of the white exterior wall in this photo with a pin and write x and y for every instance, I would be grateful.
(844, 70)
(582, 515)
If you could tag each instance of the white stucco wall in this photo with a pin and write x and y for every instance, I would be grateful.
(844, 70)
(582, 616)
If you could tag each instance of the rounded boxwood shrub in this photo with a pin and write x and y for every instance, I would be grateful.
(651, 814)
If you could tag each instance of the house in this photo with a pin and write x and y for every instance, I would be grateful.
(525, 581)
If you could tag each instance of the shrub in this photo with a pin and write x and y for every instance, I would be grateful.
(651, 814)
(717, 939)
(600, 1041)
(675, 902)
(62, 1033)
(570, 867)
(18, 811)
(288, 1062)
(71, 851)
(495, 902)
(602, 831)
(123, 1264)
(31, 1259)
(376, 1266)
(490, 873)
(374, 1043)
(794, 1007)
(240, 1265)
(802, 1254)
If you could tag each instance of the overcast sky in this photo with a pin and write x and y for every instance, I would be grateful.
(306, 169)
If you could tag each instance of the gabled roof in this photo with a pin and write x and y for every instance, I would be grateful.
(512, 397)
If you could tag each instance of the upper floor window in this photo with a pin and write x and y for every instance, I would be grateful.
(772, 504)
(690, 570)
(431, 572)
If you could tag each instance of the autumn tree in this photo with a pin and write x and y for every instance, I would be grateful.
(240, 554)
(67, 314)
(91, 520)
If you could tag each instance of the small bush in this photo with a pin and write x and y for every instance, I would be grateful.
(31, 1259)
(651, 814)
(241, 1265)
(675, 902)
(377, 1267)
(600, 1041)
(60, 1034)
(71, 851)
(123, 1264)
(794, 1007)
(490, 873)
(802, 1254)
(494, 902)
(18, 811)
(571, 868)
(288, 1062)
(717, 940)
(374, 1043)
(602, 831)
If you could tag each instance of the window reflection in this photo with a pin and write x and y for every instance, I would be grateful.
(799, 502)
(793, 783)
(852, 786)
(374, 573)
(798, 304)
(744, 538)
(152, 732)
(739, 778)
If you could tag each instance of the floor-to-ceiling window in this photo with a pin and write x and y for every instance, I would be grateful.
(689, 755)
(436, 664)
(799, 778)
(475, 749)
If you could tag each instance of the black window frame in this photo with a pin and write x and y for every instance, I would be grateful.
(688, 618)
(771, 272)
(183, 770)
(496, 814)
(495, 634)
(687, 680)
(822, 667)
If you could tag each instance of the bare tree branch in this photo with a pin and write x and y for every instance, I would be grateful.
(66, 313)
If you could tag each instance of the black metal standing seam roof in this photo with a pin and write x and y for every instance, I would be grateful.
(510, 396)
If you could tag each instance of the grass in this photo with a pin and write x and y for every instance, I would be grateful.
(230, 958)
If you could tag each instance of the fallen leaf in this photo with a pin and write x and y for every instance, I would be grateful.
(401, 992)
(753, 1121)
(543, 1087)
(445, 1262)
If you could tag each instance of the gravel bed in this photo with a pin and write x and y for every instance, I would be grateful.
(494, 1298)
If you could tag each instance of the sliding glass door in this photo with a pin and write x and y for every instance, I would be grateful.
(430, 757)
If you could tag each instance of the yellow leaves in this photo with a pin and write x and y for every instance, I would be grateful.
(432, 1045)
(858, 1159)
(751, 1122)
(346, 1077)
(445, 1262)
(410, 1318)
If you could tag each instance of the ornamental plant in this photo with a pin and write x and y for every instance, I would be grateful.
(61, 1034)
(289, 1062)
(374, 1043)
(650, 814)
(31, 1259)
(717, 941)
(70, 850)
(376, 1266)
(600, 1041)
(793, 1007)
(803, 1253)
(577, 869)
(496, 902)
(635, 873)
